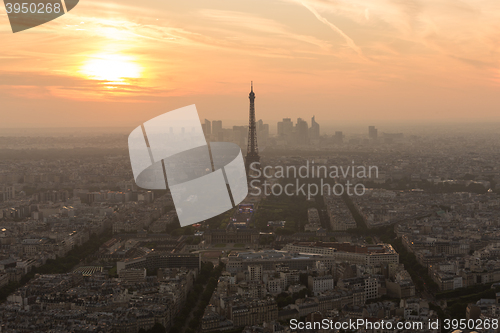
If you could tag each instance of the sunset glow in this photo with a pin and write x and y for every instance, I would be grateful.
(342, 60)
(113, 69)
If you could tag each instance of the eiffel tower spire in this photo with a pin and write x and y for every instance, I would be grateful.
(252, 148)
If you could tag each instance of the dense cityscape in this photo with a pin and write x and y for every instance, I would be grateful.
(288, 166)
(83, 249)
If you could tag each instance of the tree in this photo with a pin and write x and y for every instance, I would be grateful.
(304, 279)
(158, 328)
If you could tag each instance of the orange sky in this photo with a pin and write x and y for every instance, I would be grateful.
(119, 63)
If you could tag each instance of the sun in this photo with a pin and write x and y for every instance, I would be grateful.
(115, 69)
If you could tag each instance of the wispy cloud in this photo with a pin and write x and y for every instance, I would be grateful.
(261, 25)
(347, 39)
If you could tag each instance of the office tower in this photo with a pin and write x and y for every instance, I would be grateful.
(339, 137)
(280, 128)
(262, 132)
(259, 124)
(314, 130)
(285, 127)
(372, 132)
(208, 128)
(301, 131)
(252, 148)
(217, 129)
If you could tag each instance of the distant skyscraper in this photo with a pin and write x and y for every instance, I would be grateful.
(252, 148)
(372, 132)
(208, 127)
(285, 127)
(280, 128)
(314, 130)
(259, 124)
(262, 132)
(339, 137)
(217, 129)
(301, 131)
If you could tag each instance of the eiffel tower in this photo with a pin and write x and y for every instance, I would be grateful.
(252, 148)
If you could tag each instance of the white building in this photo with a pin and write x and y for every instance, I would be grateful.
(319, 284)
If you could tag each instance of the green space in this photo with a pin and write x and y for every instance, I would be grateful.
(360, 221)
(266, 239)
(418, 272)
(60, 265)
(386, 234)
(197, 299)
(191, 240)
(457, 306)
(406, 183)
(285, 299)
(220, 245)
(438, 310)
(292, 209)
(113, 272)
(239, 245)
(157, 328)
(220, 221)
(461, 292)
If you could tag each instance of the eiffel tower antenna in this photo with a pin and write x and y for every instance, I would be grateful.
(252, 148)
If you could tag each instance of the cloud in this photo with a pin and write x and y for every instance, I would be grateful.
(265, 29)
(296, 48)
(347, 39)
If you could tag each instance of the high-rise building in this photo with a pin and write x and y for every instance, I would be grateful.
(301, 131)
(252, 147)
(262, 132)
(217, 130)
(280, 128)
(372, 132)
(314, 130)
(339, 137)
(285, 127)
(208, 128)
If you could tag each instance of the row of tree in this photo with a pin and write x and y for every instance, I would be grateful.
(198, 299)
(61, 264)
